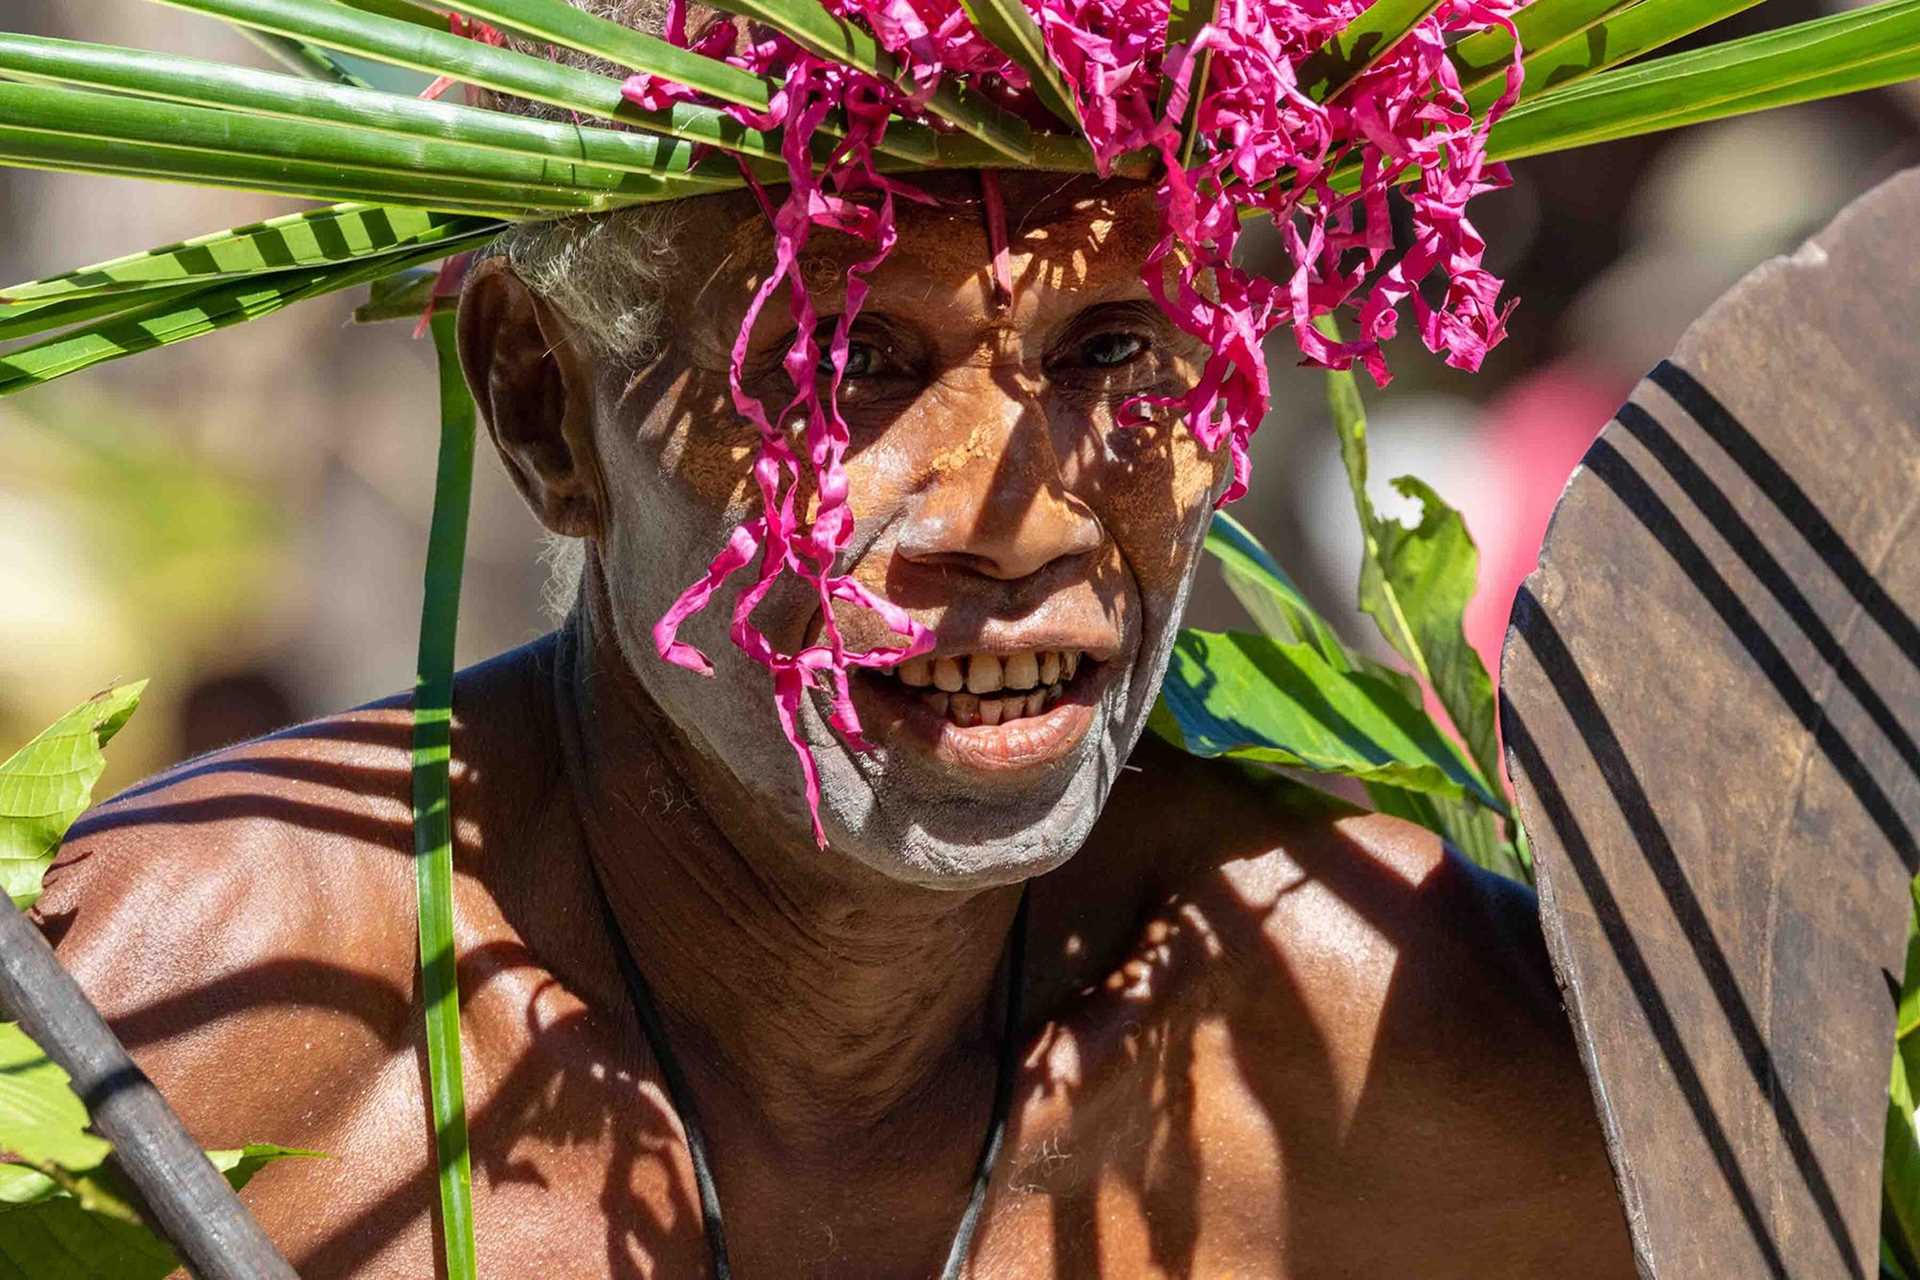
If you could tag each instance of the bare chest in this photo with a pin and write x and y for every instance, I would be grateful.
(579, 1169)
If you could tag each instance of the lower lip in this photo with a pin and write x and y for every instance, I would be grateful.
(889, 710)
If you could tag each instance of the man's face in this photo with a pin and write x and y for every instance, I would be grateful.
(997, 499)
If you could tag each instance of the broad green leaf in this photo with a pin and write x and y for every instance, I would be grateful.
(42, 1122)
(1907, 1013)
(215, 307)
(65, 1214)
(344, 232)
(1364, 41)
(1284, 615)
(1470, 827)
(433, 801)
(1252, 698)
(1900, 1183)
(213, 85)
(48, 783)
(1415, 584)
(1009, 28)
(1268, 595)
(239, 1164)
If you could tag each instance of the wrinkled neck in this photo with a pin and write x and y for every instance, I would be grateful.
(824, 997)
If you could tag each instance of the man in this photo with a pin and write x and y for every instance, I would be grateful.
(1260, 1034)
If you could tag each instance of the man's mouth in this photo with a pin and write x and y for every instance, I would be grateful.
(990, 688)
(989, 712)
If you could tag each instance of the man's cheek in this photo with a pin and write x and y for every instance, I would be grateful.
(1156, 489)
(699, 444)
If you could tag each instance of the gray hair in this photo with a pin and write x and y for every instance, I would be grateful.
(604, 272)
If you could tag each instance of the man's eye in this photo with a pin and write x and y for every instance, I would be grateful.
(863, 361)
(1111, 350)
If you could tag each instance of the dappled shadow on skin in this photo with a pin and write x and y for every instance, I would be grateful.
(383, 1006)
(554, 1099)
(1209, 1005)
(576, 1109)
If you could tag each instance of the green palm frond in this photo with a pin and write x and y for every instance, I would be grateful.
(175, 317)
(1616, 38)
(1367, 39)
(1543, 26)
(243, 91)
(1846, 52)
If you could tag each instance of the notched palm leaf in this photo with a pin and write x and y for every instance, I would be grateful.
(48, 783)
(161, 323)
(342, 233)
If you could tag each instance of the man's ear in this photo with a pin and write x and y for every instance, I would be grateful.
(534, 388)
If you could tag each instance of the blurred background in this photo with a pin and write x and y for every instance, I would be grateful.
(242, 518)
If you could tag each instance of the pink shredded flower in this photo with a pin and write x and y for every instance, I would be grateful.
(1322, 172)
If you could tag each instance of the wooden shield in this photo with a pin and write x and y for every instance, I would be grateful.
(1710, 701)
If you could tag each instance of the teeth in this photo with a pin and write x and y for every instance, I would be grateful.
(983, 674)
(966, 688)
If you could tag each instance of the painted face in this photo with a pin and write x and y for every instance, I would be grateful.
(997, 499)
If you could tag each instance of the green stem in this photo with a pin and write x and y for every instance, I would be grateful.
(433, 804)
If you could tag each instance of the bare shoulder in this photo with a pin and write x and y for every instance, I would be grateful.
(1380, 1021)
(259, 901)
(248, 899)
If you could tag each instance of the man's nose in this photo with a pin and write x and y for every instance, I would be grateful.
(997, 505)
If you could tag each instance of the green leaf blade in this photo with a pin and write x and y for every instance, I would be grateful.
(65, 1212)
(1370, 37)
(1251, 698)
(1008, 27)
(433, 803)
(205, 310)
(1846, 52)
(322, 236)
(48, 783)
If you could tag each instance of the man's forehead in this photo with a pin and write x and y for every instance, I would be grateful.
(1074, 231)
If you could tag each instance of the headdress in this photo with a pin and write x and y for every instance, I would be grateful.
(1321, 115)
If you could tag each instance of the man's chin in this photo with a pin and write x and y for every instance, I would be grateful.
(924, 812)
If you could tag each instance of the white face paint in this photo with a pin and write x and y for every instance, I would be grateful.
(1050, 550)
